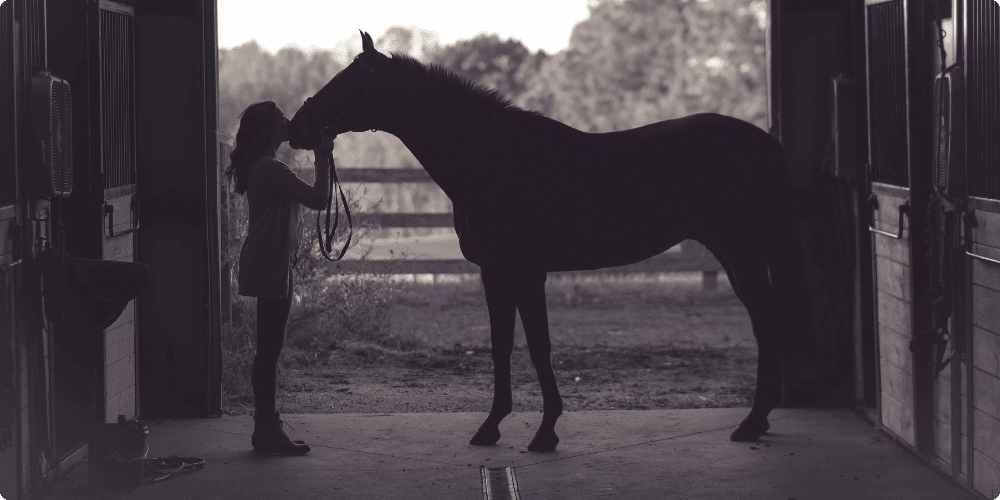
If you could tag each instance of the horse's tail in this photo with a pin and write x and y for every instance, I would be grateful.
(786, 260)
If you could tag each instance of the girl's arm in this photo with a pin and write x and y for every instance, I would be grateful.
(281, 180)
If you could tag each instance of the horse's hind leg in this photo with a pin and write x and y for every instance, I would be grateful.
(501, 304)
(530, 297)
(746, 266)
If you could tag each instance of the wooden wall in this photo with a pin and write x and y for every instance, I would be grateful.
(986, 349)
(179, 343)
(10, 366)
(26, 444)
(30, 347)
(9, 396)
(9, 450)
(944, 418)
(810, 44)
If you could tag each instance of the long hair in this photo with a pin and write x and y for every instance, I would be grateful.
(251, 142)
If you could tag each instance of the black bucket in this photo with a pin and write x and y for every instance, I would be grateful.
(119, 454)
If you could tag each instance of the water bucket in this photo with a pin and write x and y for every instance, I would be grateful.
(119, 454)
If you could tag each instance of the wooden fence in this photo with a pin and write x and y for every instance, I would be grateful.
(693, 256)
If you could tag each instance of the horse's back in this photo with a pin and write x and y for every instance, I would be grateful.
(697, 153)
(704, 143)
(580, 200)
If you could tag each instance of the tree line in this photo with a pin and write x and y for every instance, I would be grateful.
(629, 63)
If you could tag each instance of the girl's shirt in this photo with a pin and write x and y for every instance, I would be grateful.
(274, 194)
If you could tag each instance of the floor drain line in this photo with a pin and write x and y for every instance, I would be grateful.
(499, 483)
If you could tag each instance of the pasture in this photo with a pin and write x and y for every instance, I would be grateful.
(640, 342)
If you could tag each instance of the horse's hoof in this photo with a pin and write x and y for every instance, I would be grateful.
(485, 436)
(543, 441)
(750, 431)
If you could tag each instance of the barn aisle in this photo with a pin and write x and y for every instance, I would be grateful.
(811, 454)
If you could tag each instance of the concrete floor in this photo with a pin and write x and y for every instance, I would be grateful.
(810, 454)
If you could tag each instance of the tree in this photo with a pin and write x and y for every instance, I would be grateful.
(486, 59)
(633, 62)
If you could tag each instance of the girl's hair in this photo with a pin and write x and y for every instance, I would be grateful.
(251, 142)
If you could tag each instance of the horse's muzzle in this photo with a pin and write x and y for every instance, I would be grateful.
(299, 138)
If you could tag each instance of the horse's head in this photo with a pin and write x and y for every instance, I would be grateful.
(344, 104)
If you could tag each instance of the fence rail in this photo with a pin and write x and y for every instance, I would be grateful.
(693, 257)
(387, 175)
(386, 219)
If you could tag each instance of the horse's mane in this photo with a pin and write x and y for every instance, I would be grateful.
(454, 82)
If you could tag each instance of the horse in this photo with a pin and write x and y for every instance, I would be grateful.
(532, 195)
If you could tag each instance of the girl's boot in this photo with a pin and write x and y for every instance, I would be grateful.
(269, 438)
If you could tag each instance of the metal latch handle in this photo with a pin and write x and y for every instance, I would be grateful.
(16, 231)
(109, 210)
(904, 209)
(970, 222)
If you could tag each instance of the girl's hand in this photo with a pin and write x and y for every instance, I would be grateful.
(325, 147)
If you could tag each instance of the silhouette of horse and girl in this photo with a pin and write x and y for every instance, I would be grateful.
(532, 195)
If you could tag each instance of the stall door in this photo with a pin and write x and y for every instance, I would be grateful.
(946, 291)
(981, 397)
(114, 89)
(888, 159)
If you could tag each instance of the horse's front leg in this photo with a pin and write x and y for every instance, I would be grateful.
(530, 298)
(501, 305)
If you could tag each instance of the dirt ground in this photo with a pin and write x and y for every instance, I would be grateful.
(615, 346)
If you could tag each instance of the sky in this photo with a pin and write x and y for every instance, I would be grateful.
(539, 24)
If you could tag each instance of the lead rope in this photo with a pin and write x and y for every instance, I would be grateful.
(942, 208)
(326, 247)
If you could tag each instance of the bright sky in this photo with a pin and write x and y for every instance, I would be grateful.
(539, 24)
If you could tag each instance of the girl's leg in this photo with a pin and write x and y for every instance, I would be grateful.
(272, 314)
(268, 436)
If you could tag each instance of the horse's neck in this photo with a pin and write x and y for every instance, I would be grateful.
(444, 136)
(466, 147)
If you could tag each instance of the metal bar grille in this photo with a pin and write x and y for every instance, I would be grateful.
(117, 98)
(983, 84)
(7, 102)
(31, 17)
(887, 91)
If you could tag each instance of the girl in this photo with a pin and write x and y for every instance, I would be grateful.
(274, 194)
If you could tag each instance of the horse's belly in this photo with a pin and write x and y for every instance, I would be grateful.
(603, 247)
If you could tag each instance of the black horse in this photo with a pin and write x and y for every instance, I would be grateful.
(532, 195)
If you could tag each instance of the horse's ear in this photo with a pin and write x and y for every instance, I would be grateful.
(366, 42)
